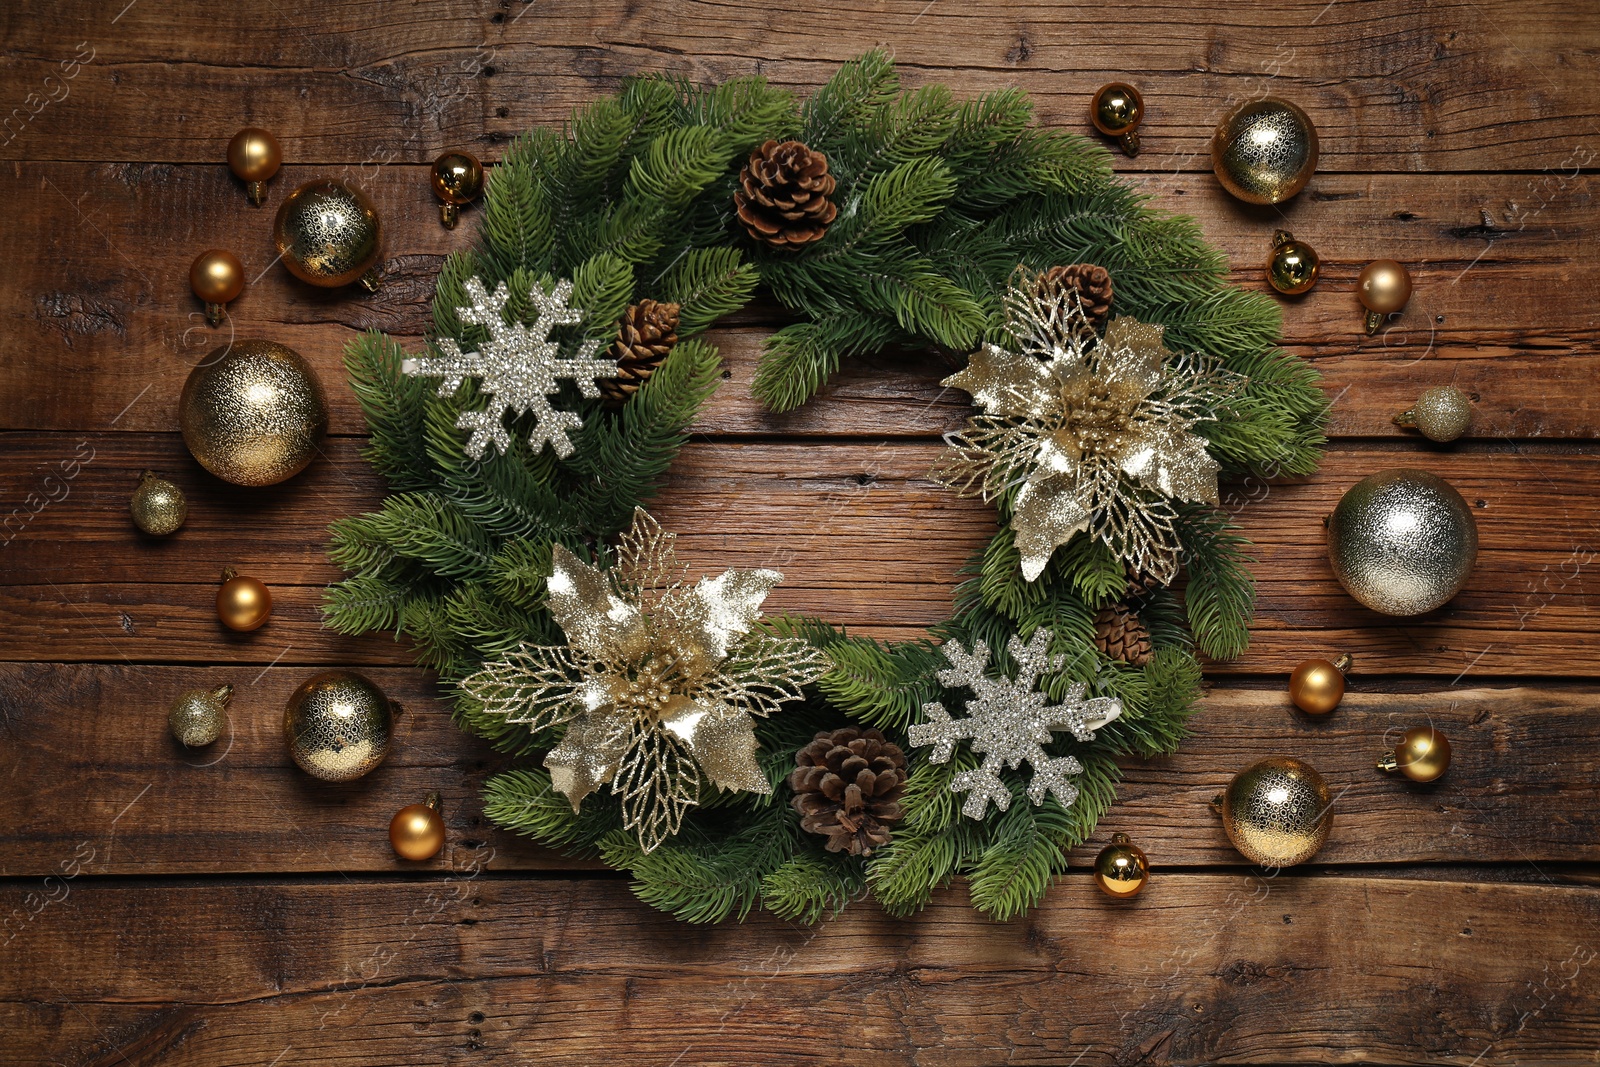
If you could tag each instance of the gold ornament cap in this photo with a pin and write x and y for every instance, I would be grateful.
(1293, 267)
(253, 412)
(338, 725)
(1116, 111)
(1276, 812)
(1422, 755)
(1264, 151)
(327, 234)
(158, 507)
(1402, 541)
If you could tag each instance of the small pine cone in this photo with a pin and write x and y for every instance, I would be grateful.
(1140, 584)
(644, 337)
(847, 787)
(1092, 285)
(1119, 634)
(782, 198)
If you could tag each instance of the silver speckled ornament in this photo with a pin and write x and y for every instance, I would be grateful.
(1264, 151)
(338, 725)
(1402, 541)
(1441, 413)
(197, 716)
(327, 234)
(253, 413)
(157, 506)
(1277, 812)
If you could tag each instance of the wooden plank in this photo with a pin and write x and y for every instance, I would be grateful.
(1409, 87)
(1213, 967)
(101, 303)
(89, 767)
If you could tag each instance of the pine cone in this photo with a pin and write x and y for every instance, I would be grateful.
(847, 787)
(782, 198)
(1119, 634)
(644, 337)
(1092, 284)
(1140, 584)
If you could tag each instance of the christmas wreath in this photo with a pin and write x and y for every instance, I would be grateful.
(727, 760)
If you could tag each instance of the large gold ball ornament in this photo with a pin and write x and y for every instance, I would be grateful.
(338, 726)
(1317, 686)
(417, 830)
(1264, 151)
(1276, 812)
(1293, 267)
(216, 276)
(157, 506)
(1441, 413)
(197, 717)
(1116, 111)
(253, 413)
(1402, 541)
(1383, 287)
(457, 179)
(1422, 755)
(1121, 870)
(243, 602)
(327, 234)
(254, 157)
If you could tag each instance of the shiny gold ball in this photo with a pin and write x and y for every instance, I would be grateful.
(1276, 812)
(1402, 541)
(197, 717)
(157, 506)
(1121, 870)
(1316, 686)
(1293, 266)
(338, 726)
(243, 603)
(254, 155)
(417, 831)
(1383, 286)
(328, 235)
(216, 276)
(1116, 111)
(253, 413)
(1422, 755)
(1441, 413)
(457, 178)
(1264, 151)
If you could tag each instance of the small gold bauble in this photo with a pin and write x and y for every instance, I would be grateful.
(417, 830)
(253, 413)
(1293, 266)
(243, 603)
(1116, 111)
(1276, 812)
(457, 179)
(1317, 686)
(1264, 151)
(1402, 541)
(254, 157)
(1383, 287)
(1441, 413)
(197, 717)
(216, 276)
(327, 234)
(157, 506)
(1121, 870)
(1422, 755)
(338, 725)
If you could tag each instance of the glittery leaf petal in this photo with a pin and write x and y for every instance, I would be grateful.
(589, 755)
(595, 620)
(723, 741)
(1047, 515)
(1005, 383)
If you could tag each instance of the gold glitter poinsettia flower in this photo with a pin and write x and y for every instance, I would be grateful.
(1093, 436)
(658, 683)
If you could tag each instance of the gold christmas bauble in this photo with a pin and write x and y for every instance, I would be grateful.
(1422, 755)
(1383, 287)
(197, 717)
(254, 157)
(1293, 266)
(243, 602)
(327, 234)
(1402, 541)
(157, 506)
(1441, 413)
(457, 179)
(1276, 812)
(417, 830)
(338, 726)
(1116, 111)
(1121, 870)
(253, 413)
(216, 276)
(1264, 151)
(1317, 686)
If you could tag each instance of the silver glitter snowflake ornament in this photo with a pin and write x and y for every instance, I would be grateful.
(519, 367)
(1008, 723)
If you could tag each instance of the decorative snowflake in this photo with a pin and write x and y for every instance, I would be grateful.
(519, 367)
(1009, 722)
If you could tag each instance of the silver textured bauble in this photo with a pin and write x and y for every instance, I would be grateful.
(1402, 541)
(1441, 413)
(338, 725)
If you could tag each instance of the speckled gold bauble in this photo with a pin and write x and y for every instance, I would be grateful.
(157, 506)
(1317, 686)
(1276, 812)
(253, 413)
(1293, 266)
(1121, 870)
(328, 235)
(417, 830)
(197, 717)
(1441, 414)
(1264, 151)
(1422, 755)
(243, 602)
(1116, 111)
(457, 179)
(1402, 541)
(338, 726)
(254, 157)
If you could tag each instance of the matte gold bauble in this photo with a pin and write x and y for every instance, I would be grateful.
(254, 157)
(1276, 812)
(1264, 151)
(243, 602)
(1402, 541)
(1422, 755)
(253, 413)
(1441, 413)
(1293, 266)
(1121, 870)
(157, 506)
(327, 234)
(1317, 686)
(1116, 111)
(216, 276)
(457, 179)
(417, 830)
(338, 726)
(197, 717)
(1383, 287)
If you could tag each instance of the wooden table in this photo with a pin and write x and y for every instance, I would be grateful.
(218, 908)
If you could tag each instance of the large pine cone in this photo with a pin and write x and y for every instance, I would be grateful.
(1120, 634)
(847, 787)
(646, 334)
(782, 198)
(1092, 285)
